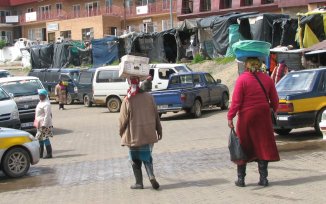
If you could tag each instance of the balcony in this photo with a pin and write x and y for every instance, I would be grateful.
(156, 8)
(64, 15)
(291, 3)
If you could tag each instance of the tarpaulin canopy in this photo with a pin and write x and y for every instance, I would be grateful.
(41, 56)
(60, 55)
(105, 51)
(189, 24)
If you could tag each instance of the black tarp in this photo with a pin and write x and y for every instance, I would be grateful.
(284, 32)
(60, 55)
(220, 29)
(41, 56)
(316, 24)
(105, 51)
(262, 29)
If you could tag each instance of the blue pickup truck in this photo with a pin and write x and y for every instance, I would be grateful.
(191, 92)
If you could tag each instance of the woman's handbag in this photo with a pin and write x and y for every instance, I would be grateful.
(236, 151)
(273, 114)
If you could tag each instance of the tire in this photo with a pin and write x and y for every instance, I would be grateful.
(282, 132)
(113, 104)
(318, 120)
(87, 101)
(69, 99)
(225, 101)
(16, 162)
(197, 109)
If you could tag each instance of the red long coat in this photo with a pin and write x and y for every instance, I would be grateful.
(254, 125)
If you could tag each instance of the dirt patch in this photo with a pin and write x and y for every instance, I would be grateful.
(228, 73)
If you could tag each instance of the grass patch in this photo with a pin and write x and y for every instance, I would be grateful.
(198, 59)
(224, 60)
(116, 62)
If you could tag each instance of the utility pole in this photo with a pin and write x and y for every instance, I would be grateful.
(124, 15)
(171, 14)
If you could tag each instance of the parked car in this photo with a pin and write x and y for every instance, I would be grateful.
(162, 72)
(4, 74)
(109, 89)
(85, 87)
(18, 150)
(50, 78)
(9, 115)
(322, 125)
(24, 92)
(302, 97)
(191, 92)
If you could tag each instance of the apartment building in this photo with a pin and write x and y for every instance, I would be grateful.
(46, 20)
(203, 8)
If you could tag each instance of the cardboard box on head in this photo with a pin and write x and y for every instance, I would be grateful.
(134, 66)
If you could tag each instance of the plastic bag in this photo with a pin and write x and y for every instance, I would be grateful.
(236, 152)
(251, 48)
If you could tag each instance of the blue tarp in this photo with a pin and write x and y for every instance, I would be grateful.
(105, 51)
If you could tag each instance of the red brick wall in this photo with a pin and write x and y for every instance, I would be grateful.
(4, 3)
(20, 2)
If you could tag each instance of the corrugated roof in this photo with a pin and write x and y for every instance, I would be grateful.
(318, 46)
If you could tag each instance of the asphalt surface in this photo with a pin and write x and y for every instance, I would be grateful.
(191, 163)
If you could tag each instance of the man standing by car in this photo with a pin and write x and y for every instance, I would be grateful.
(140, 128)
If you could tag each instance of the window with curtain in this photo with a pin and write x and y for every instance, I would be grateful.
(205, 5)
(225, 4)
(246, 2)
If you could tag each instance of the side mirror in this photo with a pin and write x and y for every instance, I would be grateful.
(218, 81)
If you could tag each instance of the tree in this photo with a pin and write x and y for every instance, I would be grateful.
(2, 44)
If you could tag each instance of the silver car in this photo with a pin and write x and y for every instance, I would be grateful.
(18, 150)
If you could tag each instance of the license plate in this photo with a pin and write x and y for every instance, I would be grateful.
(162, 107)
(282, 118)
(25, 125)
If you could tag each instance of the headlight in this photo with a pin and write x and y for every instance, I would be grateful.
(14, 115)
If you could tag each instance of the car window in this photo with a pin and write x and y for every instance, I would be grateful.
(109, 76)
(322, 84)
(85, 77)
(300, 81)
(151, 72)
(52, 76)
(22, 87)
(180, 69)
(209, 79)
(3, 95)
(164, 73)
(4, 74)
(74, 75)
(197, 79)
(64, 77)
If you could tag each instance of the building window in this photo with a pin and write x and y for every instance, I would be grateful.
(59, 9)
(35, 34)
(88, 33)
(3, 15)
(205, 5)
(30, 10)
(267, 1)
(108, 5)
(7, 36)
(246, 3)
(44, 12)
(143, 2)
(187, 6)
(76, 10)
(225, 4)
(66, 34)
(92, 8)
(166, 4)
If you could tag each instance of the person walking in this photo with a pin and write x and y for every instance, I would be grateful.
(61, 94)
(254, 126)
(279, 72)
(43, 123)
(147, 84)
(140, 128)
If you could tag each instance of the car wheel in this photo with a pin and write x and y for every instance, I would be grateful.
(282, 132)
(197, 109)
(225, 101)
(69, 99)
(87, 101)
(318, 120)
(113, 104)
(16, 163)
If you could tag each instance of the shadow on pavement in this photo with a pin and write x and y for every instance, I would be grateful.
(60, 131)
(68, 156)
(198, 183)
(299, 136)
(184, 116)
(299, 181)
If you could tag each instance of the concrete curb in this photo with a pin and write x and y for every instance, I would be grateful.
(287, 146)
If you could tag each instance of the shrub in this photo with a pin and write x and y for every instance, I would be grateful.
(2, 44)
(224, 60)
(198, 59)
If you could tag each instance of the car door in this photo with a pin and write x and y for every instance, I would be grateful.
(85, 85)
(199, 84)
(215, 93)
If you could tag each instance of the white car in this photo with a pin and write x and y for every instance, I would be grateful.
(322, 125)
(108, 88)
(18, 150)
(162, 72)
(9, 115)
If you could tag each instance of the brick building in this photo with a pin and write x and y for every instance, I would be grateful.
(46, 20)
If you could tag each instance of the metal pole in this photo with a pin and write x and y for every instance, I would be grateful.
(171, 14)
(124, 15)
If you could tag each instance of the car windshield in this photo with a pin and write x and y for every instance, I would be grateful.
(182, 69)
(294, 82)
(74, 76)
(23, 87)
(3, 95)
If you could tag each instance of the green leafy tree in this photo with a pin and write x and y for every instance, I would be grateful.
(2, 44)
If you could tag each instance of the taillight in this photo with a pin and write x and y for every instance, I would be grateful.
(183, 97)
(285, 107)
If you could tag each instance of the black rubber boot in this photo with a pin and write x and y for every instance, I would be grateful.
(263, 172)
(48, 152)
(136, 167)
(151, 176)
(241, 170)
(41, 149)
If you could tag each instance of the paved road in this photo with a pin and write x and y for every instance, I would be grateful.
(191, 162)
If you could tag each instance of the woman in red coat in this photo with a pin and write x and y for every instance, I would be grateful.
(254, 125)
